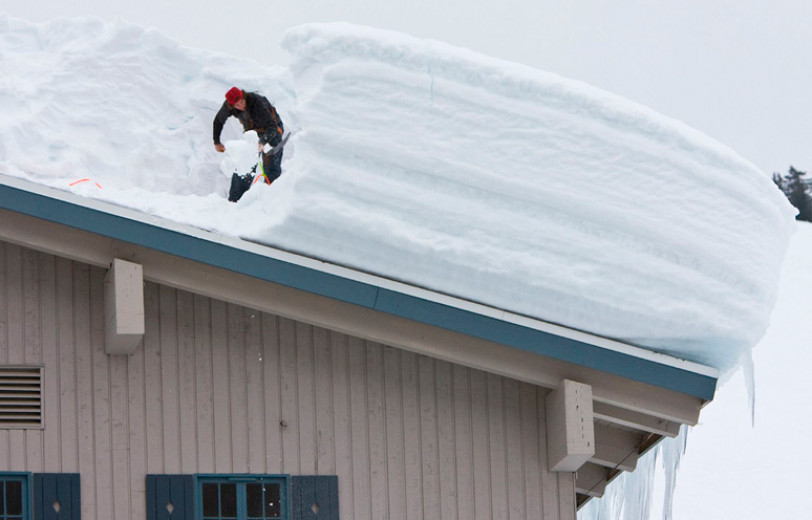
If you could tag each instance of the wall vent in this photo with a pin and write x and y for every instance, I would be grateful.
(20, 397)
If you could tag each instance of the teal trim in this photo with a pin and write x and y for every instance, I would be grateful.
(24, 479)
(546, 344)
(185, 246)
(355, 292)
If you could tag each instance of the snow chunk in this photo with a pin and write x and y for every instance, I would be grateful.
(520, 189)
(420, 162)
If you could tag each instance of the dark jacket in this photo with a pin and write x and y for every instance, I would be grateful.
(259, 115)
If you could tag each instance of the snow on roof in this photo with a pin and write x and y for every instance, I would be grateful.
(418, 162)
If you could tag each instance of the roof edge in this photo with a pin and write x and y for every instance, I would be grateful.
(357, 287)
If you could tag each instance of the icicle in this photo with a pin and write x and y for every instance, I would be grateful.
(628, 496)
(639, 485)
(672, 451)
(749, 370)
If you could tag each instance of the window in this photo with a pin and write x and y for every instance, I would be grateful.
(13, 496)
(242, 497)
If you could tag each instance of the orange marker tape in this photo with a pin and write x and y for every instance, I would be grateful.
(84, 180)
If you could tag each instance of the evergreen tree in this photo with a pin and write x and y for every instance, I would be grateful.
(797, 191)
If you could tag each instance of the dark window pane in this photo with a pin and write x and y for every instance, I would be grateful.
(14, 498)
(253, 500)
(2, 497)
(211, 503)
(273, 508)
(228, 500)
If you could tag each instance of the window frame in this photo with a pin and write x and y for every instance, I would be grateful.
(242, 478)
(27, 487)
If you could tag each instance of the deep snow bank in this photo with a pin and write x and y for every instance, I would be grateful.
(533, 193)
(424, 163)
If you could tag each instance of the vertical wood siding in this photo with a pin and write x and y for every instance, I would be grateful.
(219, 388)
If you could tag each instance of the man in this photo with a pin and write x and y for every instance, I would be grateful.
(256, 113)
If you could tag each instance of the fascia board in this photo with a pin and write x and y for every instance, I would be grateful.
(358, 288)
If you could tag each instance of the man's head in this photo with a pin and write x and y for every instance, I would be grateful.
(235, 98)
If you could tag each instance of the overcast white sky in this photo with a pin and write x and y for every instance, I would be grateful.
(737, 70)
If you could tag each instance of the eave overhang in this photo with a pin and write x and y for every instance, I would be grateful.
(263, 262)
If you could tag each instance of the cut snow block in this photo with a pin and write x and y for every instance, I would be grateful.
(570, 426)
(123, 307)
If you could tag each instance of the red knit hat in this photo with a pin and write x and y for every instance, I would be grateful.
(233, 95)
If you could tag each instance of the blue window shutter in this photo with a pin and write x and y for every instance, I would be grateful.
(314, 497)
(170, 497)
(57, 496)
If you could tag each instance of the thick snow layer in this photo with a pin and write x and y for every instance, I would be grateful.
(728, 454)
(421, 162)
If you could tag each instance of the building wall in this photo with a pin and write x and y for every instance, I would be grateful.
(219, 388)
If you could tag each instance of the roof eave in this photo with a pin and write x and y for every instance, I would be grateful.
(357, 288)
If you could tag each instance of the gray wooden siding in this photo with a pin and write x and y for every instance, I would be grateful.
(218, 388)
